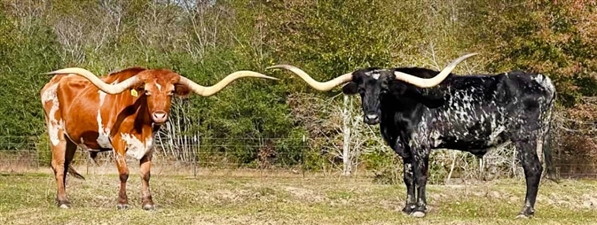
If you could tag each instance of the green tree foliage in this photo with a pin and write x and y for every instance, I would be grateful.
(557, 38)
(255, 119)
(26, 52)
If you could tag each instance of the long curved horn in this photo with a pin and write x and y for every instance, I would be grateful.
(207, 91)
(320, 86)
(108, 88)
(431, 82)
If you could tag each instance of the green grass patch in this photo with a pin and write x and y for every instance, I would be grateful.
(29, 198)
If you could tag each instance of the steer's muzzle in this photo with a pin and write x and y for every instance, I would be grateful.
(371, 118)
(159, 117)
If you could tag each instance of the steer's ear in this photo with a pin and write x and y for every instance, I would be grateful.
(350, 88)
(139, 88)
(181, 90)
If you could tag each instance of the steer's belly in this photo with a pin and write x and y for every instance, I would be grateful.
(471, 135)
(470, 146)
(136, 146)
(91, 141)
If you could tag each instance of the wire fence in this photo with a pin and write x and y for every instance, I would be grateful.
(193, 156)
(183, 155)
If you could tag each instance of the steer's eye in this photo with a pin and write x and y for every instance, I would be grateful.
(171, 93)
(384, 91)
(147, 93)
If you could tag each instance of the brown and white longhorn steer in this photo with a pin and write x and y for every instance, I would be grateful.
(121, 111)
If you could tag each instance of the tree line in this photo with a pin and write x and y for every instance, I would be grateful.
(206, 40)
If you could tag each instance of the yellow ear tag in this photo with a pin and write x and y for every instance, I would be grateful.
(134, 93)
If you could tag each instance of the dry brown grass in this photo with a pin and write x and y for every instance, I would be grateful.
(255, 197)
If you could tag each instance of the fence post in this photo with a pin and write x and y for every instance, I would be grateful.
(87, 159)
(514, 163)
(303, 155)
(346, 157)
(195, 155)
(48, 148)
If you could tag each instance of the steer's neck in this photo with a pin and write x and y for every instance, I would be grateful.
(139, 113)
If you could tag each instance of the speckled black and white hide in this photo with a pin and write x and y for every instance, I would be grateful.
(468, 113)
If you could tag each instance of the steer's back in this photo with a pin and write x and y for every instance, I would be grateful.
(57, 95)
(477, 111)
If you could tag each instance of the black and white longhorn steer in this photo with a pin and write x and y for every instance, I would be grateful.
(420, 109)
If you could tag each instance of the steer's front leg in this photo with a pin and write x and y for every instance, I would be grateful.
(145, 169)
(409, 181)
(123, 170)
(408, 177)
(420, 167)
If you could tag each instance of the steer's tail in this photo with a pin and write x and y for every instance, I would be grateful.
(547, 124)
(74, 173)
(547, 148)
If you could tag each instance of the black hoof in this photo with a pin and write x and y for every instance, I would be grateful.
(408, 209)
(121, 206)
(526, 213)
(63, 204)
(148, 207)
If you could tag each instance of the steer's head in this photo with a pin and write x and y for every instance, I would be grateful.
(372, 84)
(158, 86)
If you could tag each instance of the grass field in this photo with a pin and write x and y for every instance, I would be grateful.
(253, 198)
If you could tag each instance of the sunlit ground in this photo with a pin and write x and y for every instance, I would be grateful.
(261, 198)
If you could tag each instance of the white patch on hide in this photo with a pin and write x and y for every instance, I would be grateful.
(50, 96)
(53, 131)
(373, 74)
(135, 148)
(435, 138)
(102, 96)
(463, 108)
(495, 134)
(545, 82)
(159, 86)
(103, 138)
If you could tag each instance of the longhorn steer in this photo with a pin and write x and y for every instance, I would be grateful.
(121, 111)
(420, 109)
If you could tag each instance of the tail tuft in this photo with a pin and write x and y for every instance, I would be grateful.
(93, 156)
(74, 173)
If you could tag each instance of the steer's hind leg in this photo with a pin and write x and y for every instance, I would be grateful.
(63, 151)
(523, 130)
(60, 169)
(526, 149)
(145, 169)
(69, 155)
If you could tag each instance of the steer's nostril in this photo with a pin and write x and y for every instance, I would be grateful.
(159, 115)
